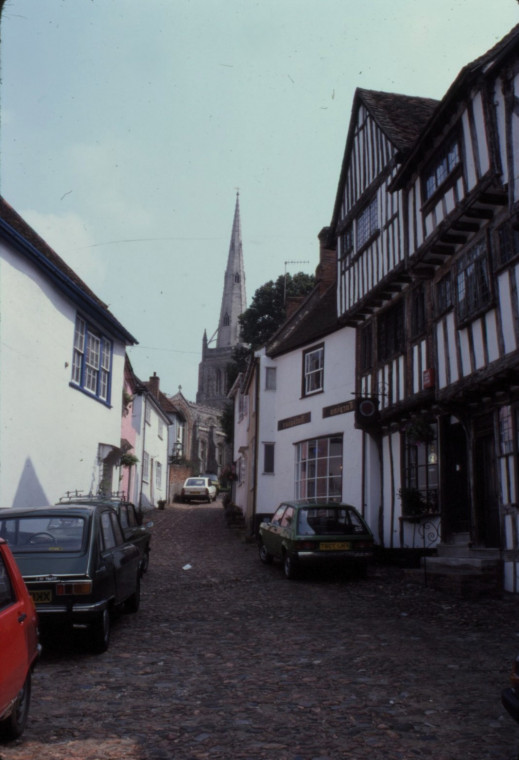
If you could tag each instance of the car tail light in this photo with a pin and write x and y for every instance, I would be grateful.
(307, 546)
(364, 545)
(76, 588)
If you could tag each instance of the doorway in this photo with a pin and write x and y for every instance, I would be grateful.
(486, 502)
(455, 482)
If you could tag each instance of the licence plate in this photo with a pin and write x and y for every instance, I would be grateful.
(41, 597)
(335, 546)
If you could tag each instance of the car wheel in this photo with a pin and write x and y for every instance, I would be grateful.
(101, 632)
(265, 556)
(290, 566)
(13, 726)
(133, 602)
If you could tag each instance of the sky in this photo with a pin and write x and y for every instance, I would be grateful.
(127, 127)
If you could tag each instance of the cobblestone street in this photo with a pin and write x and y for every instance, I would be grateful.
(228, 660)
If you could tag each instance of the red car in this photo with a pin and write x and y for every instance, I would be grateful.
(19, 646)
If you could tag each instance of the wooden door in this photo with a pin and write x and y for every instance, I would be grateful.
(486, 500)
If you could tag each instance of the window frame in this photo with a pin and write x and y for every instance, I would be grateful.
(473, 285)
(391, 332)
(446, 166)
(309, 373)
(270, 378)
(318, 467)
(269, 458)
(92, 361)
(366, 224)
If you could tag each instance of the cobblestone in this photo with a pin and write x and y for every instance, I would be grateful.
(227, 659)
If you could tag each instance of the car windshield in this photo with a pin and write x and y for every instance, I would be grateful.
(44, 533)
(195, 482)
(328, 521)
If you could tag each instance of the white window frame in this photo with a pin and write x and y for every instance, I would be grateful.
(313, 370)
(91, 361)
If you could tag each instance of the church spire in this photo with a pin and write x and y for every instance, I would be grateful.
(234, 301)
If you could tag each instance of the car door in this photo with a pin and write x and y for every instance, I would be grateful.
(272, 535)
(122, 557)
(13, 649)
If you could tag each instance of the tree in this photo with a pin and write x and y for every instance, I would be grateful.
(268, 308)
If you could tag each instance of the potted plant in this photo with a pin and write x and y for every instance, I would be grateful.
(413, 502)
(419, 430)
(127, 460)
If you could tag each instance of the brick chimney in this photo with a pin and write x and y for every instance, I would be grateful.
(154, 385)
(326, 271)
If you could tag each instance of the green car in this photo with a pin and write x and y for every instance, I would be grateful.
(316, 532)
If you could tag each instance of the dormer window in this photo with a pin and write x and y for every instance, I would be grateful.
(442, 168)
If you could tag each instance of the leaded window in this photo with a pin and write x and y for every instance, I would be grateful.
(367, 223)
(391, 332)
(442, 168)
(473, 282)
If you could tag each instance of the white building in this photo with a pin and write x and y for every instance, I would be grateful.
(61, 375)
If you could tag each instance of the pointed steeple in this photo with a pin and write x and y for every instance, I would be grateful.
(234, 300)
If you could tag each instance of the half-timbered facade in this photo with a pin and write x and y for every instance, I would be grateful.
(428, 246)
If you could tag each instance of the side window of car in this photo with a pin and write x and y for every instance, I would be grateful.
(124, 514)
(287, 518)
(7, 596)
(119, 538)
(132, 517)
(108, 531)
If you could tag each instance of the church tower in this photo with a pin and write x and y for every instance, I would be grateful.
(212, 370)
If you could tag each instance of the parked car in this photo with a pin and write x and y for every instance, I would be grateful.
(77, 565)
(214, 481)
(132, 522)
(510, 696)
(19, 646)
(199, 488)
(305, 532)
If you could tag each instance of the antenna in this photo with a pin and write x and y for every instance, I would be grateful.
(285, 283)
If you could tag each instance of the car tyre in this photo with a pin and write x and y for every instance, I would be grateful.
(264, 555)
(13, 726)
(101, 632)
(145, 561)
(290, 566)
(133, 602)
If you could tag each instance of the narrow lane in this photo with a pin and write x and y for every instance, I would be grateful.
(228, 660)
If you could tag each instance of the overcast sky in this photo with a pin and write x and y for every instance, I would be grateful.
(128, 125)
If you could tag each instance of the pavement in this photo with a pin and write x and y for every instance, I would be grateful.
(228, 660)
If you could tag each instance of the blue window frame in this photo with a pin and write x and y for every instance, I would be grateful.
(92, 361)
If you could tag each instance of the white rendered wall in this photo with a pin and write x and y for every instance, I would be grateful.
(49, 431)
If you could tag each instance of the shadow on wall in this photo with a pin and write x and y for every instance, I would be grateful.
(29, 492)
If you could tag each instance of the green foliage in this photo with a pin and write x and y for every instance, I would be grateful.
(267, 311)
(227, 421)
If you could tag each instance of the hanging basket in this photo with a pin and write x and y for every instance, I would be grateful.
(419, 430)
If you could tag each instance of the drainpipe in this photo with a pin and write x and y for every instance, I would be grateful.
(256, 450)
(143, 444)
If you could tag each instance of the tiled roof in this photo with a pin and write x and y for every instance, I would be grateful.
(456, 93)
(316, 318)
(401, 117)
(10, 217)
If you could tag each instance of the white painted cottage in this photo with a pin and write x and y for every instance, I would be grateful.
(62, 358)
